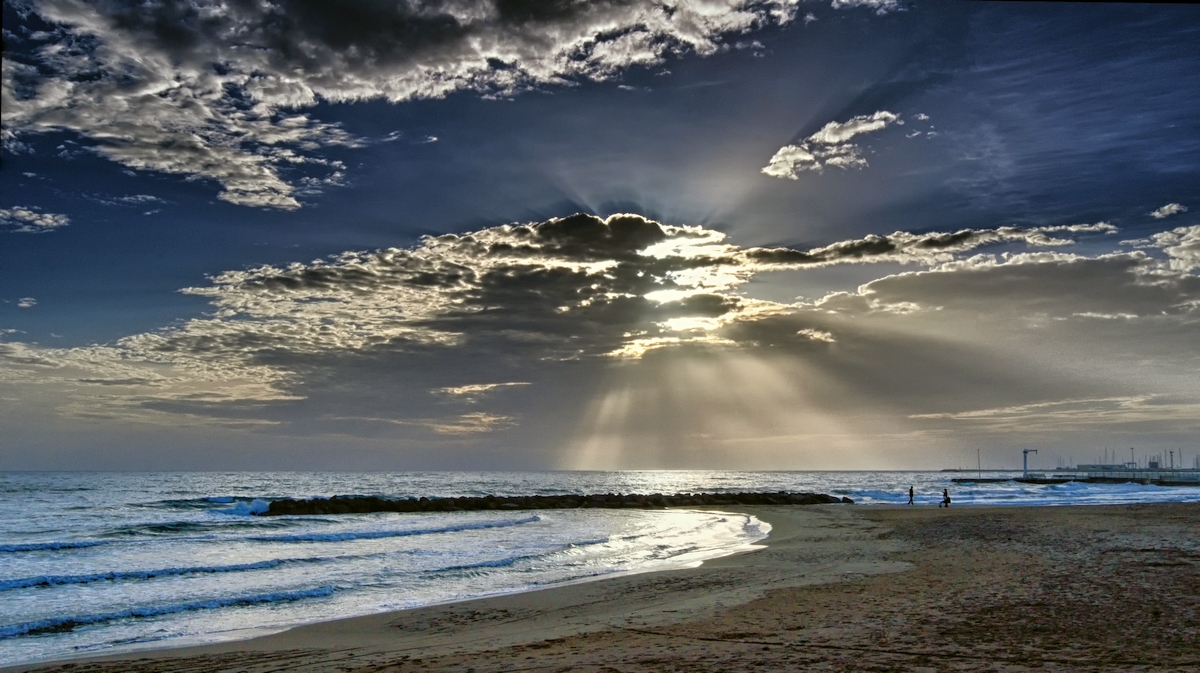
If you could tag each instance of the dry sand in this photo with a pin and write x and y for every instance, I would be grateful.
(838, 588)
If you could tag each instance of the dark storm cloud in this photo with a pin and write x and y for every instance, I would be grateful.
(210, 88)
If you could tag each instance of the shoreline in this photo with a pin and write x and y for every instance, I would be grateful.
(370, 631)
(1028, 587)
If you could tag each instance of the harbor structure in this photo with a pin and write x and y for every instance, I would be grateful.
(1152, 471)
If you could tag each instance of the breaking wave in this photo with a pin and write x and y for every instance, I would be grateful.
(49, 546)
(404, 532)
(70, 623)
(117, 576)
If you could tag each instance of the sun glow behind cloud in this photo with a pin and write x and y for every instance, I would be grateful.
(494, 344)
(721, 409)
(459, 329)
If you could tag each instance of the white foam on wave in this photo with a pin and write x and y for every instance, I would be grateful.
(49, 546)
(120, 575)
(566, 547)
(68, 623)
(242, 508)
(377, 534)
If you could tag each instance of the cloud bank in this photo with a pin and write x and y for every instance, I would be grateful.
(829, 147)
(1180, 245)
(450, 325)
(212, 89)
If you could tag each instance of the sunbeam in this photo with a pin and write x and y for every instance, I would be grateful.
(720, 408)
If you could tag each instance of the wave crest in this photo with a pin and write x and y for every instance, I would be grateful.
(377, 534)
(64, 624)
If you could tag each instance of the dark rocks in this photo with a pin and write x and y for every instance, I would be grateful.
(355, 504)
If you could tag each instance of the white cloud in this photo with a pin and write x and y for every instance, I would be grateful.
(128, 200)
(472, 423)
(138, 199)
(1106, 316)
(816, 335)
(828, 147)
(26, 302)
(1181, 245)
(1168, 210)
(472, 393)
(932, 248)
(212, 89)
(1074, 414)
(120, 382)
(22, 220)
(880, 6)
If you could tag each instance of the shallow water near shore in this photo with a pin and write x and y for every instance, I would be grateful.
(99, 563)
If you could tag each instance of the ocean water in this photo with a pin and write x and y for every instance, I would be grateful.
(99, 563)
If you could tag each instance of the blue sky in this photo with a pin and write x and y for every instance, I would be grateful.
(860, 234)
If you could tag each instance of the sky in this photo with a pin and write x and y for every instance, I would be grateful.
(615, 234)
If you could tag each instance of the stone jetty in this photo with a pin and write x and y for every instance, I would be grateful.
(356, 504)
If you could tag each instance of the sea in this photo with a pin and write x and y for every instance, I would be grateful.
(101, 563)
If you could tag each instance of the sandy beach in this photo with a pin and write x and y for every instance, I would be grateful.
(836, 588)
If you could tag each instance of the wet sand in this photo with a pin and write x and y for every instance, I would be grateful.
(838, 588)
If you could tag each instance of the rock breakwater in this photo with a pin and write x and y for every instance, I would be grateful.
(352, 504)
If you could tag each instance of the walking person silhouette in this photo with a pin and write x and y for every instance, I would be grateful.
(910, 495)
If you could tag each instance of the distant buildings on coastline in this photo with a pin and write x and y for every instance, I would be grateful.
(1151, 469)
